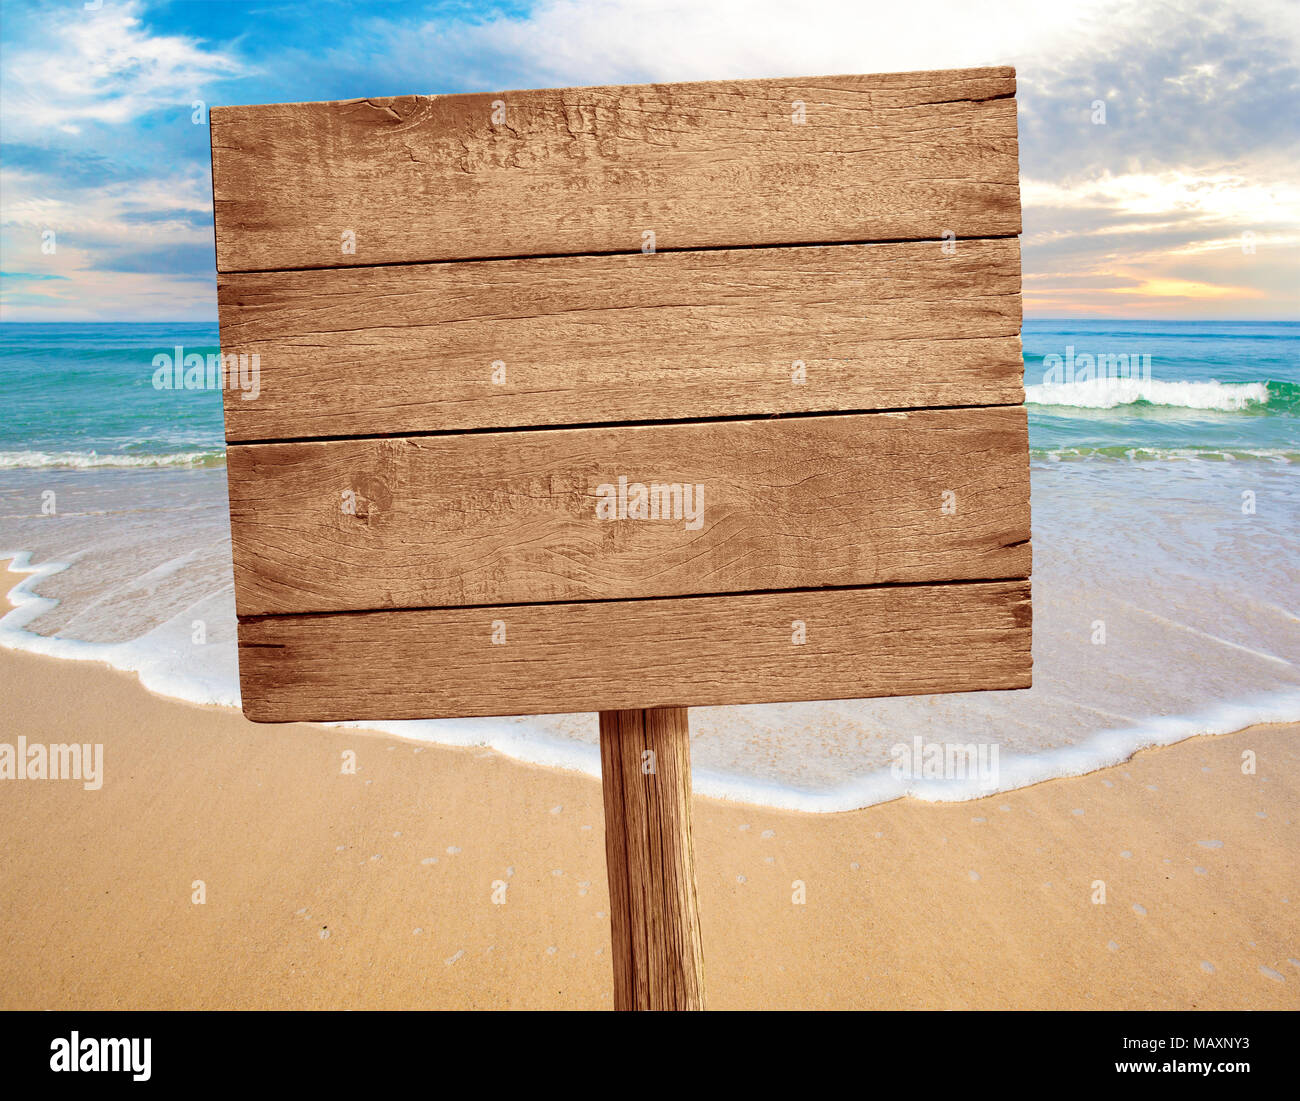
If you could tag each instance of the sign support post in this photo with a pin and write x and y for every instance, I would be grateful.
(645, 764)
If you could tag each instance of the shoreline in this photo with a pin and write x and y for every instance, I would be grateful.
(374, 890)
(1102, 749)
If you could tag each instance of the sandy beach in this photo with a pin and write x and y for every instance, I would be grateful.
(374, 889)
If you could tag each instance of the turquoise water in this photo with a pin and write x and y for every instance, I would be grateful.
(1166, 506)
(1217, 390)
(83, 395)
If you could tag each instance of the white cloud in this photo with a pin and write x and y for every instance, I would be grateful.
(1193, 154)
(578, 42)
(581, 42)
(99, 66)
(1176, 198)
(113, 296)
(94, 230)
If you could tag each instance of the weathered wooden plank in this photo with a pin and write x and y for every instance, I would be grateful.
(577, 340)
(505, 517)
(903, 156)
(617, 655)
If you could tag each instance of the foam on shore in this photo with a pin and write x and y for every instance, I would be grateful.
(1192, 594)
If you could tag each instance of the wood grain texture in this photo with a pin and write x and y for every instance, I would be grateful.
(512, 517)
(585, 340)
(620, 655)
(654, 913)
(902, 156)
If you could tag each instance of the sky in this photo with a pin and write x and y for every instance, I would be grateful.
(1180, 200)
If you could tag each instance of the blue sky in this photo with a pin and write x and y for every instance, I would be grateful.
(1142, 216)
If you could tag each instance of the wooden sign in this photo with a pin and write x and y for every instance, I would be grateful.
(622, 399)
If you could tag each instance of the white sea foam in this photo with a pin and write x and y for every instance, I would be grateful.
(164, 658)
(168, 664)
(87, 460)
(1168, 454)
(1109, 393)
(1197, 599)
(1015, 770)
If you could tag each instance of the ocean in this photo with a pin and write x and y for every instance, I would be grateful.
(1165, 468)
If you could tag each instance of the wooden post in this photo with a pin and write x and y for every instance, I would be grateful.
(645, 759)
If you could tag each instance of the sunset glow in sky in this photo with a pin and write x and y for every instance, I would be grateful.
(1183, 203)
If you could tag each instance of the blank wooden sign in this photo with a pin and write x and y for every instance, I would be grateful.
(626, 400)
(616, 398)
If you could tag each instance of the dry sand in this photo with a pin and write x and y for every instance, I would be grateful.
(375, 889)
